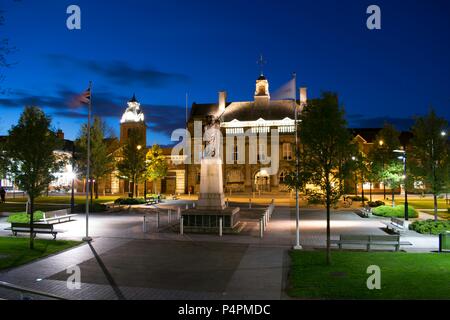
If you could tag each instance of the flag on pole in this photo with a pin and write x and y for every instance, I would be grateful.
(285, 92)
(85, 97)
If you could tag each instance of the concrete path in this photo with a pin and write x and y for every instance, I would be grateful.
(123, 262)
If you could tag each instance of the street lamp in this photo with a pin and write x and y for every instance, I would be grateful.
(135, 184)
(403, 157)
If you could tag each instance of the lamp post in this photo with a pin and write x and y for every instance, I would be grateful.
(297, 246)
(136, 189)
(405, 181)
(381, 143)
(434, 164)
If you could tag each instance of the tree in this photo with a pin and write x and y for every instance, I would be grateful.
(102, 158)
(429, 154)
(132, 164)
(386, 141)
(324, 135)
(31, 145)
(5, 163)
(393, 176)
(156, 164)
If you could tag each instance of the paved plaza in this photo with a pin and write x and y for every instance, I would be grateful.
(124, 262)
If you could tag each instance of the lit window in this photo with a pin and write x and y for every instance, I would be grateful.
(287, 151)
(235, 153)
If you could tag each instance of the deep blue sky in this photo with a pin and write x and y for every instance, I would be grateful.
(162, 49)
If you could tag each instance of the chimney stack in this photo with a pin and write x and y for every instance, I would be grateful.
(222, 101)
(60, 134)
(303, 96)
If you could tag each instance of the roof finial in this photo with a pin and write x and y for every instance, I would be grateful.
(261, 63)
(134, 98)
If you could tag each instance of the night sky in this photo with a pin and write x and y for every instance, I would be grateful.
(162, 49)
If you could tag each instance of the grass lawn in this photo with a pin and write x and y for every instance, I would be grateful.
(403, 275)
(15, 251)
(428, 204)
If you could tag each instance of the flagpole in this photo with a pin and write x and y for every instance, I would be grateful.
(88, 166)
(297, 166)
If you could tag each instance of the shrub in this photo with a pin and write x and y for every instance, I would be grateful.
(23, 217)
(129, 201)
(374, 204)
(358, 198)
(430, 226)
(316, 198)
(396, 212)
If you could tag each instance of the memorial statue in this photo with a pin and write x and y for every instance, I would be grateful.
(212, 137)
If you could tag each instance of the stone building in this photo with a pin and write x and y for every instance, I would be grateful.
(244, 118)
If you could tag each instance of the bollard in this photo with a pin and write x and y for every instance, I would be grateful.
(261, 228)
(220, 227)
(169, 212)
(178, 212)
(144, 227)
(181, 225)
(168, 216)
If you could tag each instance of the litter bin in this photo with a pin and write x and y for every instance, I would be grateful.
(444, 241)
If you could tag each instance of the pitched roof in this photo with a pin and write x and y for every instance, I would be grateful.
(246, 111)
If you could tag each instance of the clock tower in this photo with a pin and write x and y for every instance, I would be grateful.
(133, 119)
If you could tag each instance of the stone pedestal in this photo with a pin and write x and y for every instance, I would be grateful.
(211, 185)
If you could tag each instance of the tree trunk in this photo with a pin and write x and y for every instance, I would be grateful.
(91, 187)
(96, 188)
(31, 209)
(362, 192)
(328, 190)
(435, 207)
(370, 191)
(145, 190)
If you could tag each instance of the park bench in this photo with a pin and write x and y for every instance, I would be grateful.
(364, 212)
(372, 240)
(37, 228)
(151, 201)
(57, 216)
(397, 225)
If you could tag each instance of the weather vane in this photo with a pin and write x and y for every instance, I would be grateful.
(261, 63)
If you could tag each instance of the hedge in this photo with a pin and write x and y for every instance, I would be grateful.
(397, 211)
(129, 201)
(430, 226)
(374, 204)
(23, 217)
